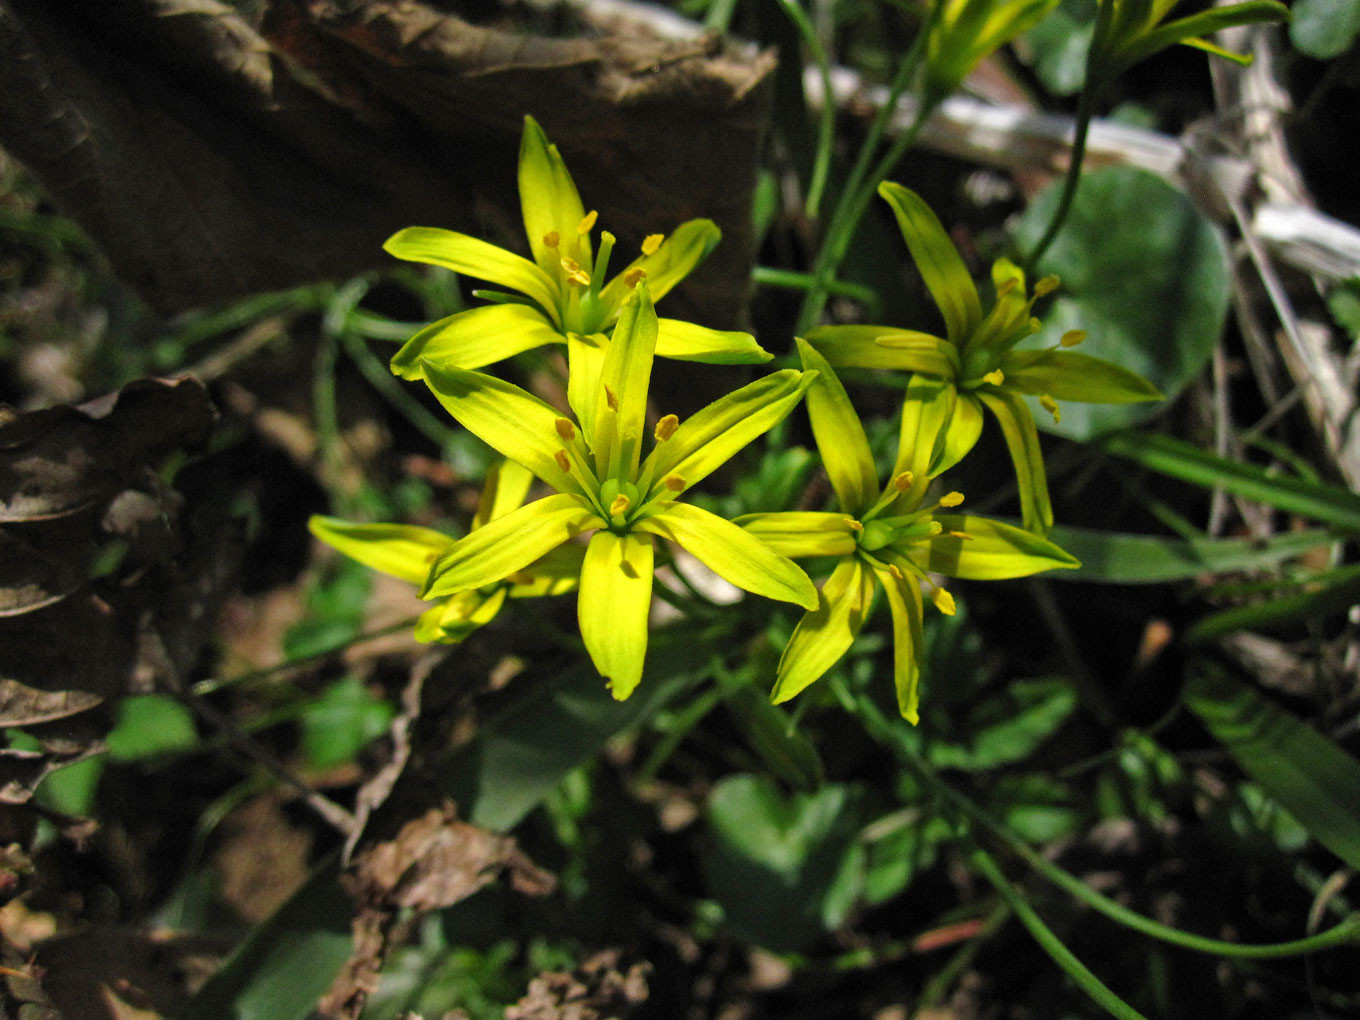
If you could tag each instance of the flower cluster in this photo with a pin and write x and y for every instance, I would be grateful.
(618, 473)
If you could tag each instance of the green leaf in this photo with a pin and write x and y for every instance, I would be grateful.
(1328, 504)
(1328, 595)
(1307, 773)
(1119, 558)
(1324, 28)
(1144, 273)
(772, 734)
(340, 723)
(149, 725)
(1007, 727)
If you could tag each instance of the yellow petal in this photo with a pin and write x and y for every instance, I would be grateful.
(612, 606)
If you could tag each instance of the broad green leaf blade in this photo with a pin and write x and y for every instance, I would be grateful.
(858, 347)
(1328, 504)
(839, 435)
(612, 607)
(476, 337)
(1119, 558)
(1144, 273)
(1067, 375)
(684, 341)
(708, 439)
(679, 254)
(945, 275)
(993, 550)
(800, 533)
(1022, 440)
(510, 543)
(549, 202)
(732, 554)
(404, 551)
(1324, 29)
(473, 257)
(510, 420)
(1311, 777)
(825, 633)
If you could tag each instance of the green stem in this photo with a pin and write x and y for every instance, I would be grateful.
(1347, 932)
(1085, 110)
(826, 126)
(1049, 942)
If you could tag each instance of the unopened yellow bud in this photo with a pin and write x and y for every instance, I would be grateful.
(666, 427)
(565, 429)
(1051, 406)
(996, 377)
(902, 482)
(633, 276)
(675, 483)
(944, 602)
(852, 524)
(1072, 337)
(587, 222)
(651, 243)
(561, 457)
(620, 505)
(951, 499)
(575, 273)
(552, 239)
(1046, 286)
(611, 399)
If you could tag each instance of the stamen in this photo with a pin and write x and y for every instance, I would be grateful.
(587, 222)
(902, 482)
(944, 602)
(611, 399)
(896, 571)
(631, 278)
(651, 243)
(666, 427)
(565, 429)
(996, 377)
(1010, 285)
(961, 534)
(575, 273)
(1051, 406)
(936, 527)
(561, 457)
(1046, 286)
(852, 524)
(620, 505)
(951, 499)
(675, 483)
(1034, 326)
(552, 239)
(1072, 337)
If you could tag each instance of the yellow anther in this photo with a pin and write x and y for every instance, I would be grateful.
(852, 524)
(1046, 286)
(620, 505)
(552, 239)
(611, 399)
(587, 222)
(944, 602)
(666, 427)
(960, 534)
(1072, 337)
(902, 482)
(575, 273)
(1051, 406)
(951, 499)
(675, 483)
(565, 429)
(896, 571)
(936, 527)
(996, 377)
(631, 278)
(651, 243)
(561, 457)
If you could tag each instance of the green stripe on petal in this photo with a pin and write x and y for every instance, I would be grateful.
(962, 432)
(993, 550)
(904, 599)
(1067, 375)
(826, 633)
(708, 439)
(926, 411)
(585, 361)
(621, 398)
(941, 268)
(1022, 439)
(473, 257)
(549, 201)
(476, 337)
(505, 489)
(839, 435)
(910, 350)
(510, 420)
(510, 543)
(404, 551)
(613, 604)
(801, 533)
(680, 253)
(684, 341)
(732, 554)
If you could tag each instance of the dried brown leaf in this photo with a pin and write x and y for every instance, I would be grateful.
(597, 990)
